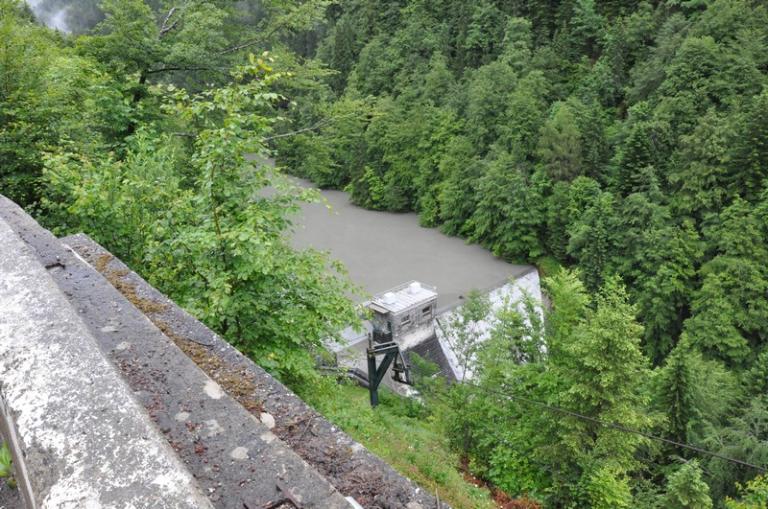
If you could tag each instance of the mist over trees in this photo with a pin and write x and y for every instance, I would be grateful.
(71, 16)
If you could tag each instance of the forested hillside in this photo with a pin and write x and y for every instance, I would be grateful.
(618, 137)
(627, 140)
(624, 141)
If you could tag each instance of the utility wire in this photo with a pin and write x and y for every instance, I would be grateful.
(618, 427)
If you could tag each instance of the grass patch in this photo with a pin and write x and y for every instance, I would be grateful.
(399, 433)
(548, 266)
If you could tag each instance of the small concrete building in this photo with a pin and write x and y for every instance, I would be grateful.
(405, 314)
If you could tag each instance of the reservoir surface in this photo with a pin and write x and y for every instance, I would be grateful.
(383, 249)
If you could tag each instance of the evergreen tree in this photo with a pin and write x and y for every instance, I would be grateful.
(744, 437)
(667, 278)
(460, 169)
(694, 394)
(487, 90)
(687, 490)
(594, 239)
(601, 371)
(565, 205)
(560, 144)
(749, 151)
(508, 214)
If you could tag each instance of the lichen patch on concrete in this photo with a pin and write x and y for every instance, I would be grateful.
(213, 428)
(267, 419)
(239, 453)
(213, 390)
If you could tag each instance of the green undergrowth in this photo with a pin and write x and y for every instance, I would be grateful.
(548, 266)
(412, 443)
(6, 466)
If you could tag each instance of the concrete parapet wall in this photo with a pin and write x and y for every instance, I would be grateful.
(349, 467)
(78, 437)
(235, 459)
(235, 433)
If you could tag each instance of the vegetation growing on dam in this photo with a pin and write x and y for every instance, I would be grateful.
(628, 141)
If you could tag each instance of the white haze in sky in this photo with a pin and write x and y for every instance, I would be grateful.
(56, 19)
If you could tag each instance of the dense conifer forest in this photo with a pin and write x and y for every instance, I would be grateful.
(621, 146)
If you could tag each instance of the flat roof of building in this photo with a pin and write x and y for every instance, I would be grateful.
(404, 296)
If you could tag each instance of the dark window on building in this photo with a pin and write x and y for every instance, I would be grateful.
(406, 320)
(426, 311)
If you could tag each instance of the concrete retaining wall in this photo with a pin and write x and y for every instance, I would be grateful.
(245, 439)
(78, 437)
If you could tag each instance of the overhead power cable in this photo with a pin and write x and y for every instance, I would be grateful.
(618, 427)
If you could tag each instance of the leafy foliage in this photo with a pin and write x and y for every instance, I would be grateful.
(209, 236)
(686, 489)
(6, 465)
(625, 140)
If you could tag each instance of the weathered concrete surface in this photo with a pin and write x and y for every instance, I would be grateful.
(352, 469)
(79, 437)
(383, 249)
(348, 465)
(236, 459)
(238, 463)
(10, 498)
